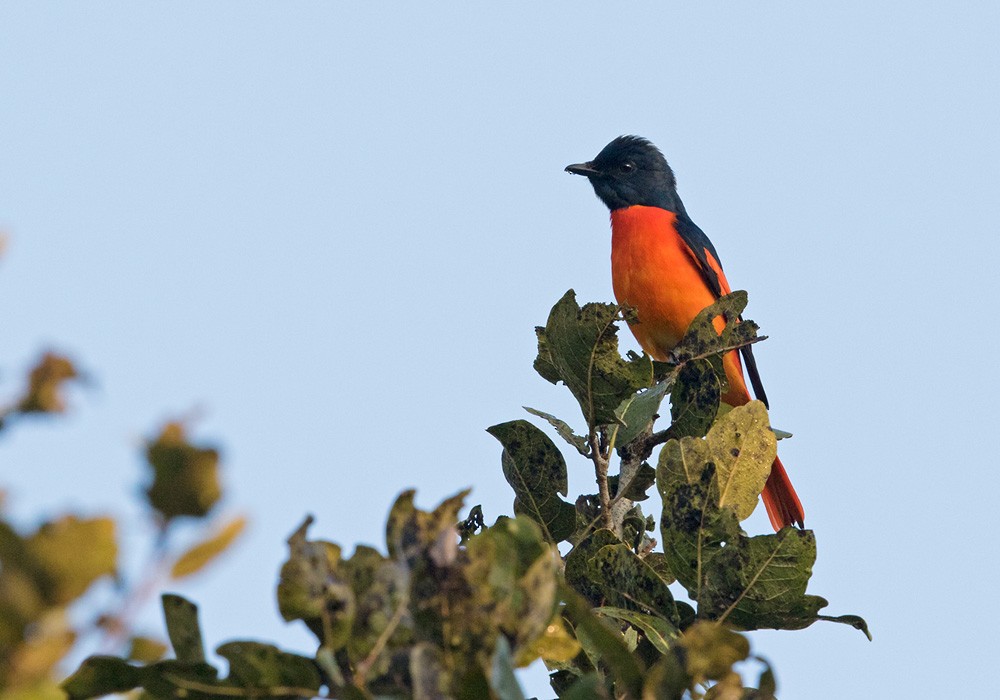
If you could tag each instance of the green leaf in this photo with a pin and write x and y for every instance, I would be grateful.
(694, 528)
(99, 676)
(181, 616)
(537, 590)
(626, 667)
(637, 412)
(750, 582)
(578, 442)
(580, 348)
(311, 589)
(780, 434)
(102, 675)
(502, 678)
(472, 524)
(410, 532)
(185, 476)
(702, 339)
(766, 685)
(257, 665)
(588, 687)
(512, 576)
(401, 514)
(203, 553)
(425, 547)
(658, 562)
(536, 470)
(174, 679)
(854, 621)
(658, 631)
(666, 680)
(380, 588)
(69, 554)
(578, 572)
(773, 581)
(634, 526)
(694, 401)
(628, 582)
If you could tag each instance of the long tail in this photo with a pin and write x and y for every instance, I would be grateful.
(782, 504)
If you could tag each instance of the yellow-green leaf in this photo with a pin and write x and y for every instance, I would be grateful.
(36, 657)
(44, 392)
(146, 649)
(71, 553)
(202, 554)
(556, 645)
(741, 446)
(712, 649)
(743, 449)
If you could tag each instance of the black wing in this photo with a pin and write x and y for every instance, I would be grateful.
(702, 248)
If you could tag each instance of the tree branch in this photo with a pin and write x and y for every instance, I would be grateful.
(600, 460)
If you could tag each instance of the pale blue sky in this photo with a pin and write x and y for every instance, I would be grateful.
(334, 229)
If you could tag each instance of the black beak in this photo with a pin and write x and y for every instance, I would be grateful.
(585, 169)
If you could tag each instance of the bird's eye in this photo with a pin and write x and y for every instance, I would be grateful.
(626, 167)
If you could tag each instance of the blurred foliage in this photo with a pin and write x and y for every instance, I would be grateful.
(48, 569)
(185, 476)
(449, 606)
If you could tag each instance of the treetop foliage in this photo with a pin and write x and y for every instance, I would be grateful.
(616, 602)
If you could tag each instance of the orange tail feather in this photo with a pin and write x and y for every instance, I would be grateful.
(782, 504)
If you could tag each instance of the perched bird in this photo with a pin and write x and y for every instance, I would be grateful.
(665, 267)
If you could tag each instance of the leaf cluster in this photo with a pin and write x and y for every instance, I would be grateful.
(710, 472)
(255, 669)
(451, 606)
(47, 570)
(427, 619)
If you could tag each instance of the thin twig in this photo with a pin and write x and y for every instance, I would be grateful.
(118, 624)
(716, 351)
(362, 669)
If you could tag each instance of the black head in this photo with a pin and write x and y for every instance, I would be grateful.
(628, 171)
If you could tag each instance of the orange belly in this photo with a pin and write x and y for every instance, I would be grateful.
(654, 271)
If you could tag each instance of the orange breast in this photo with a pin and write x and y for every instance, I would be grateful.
(654, 271)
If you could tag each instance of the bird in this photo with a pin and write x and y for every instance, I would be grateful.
(666, 268)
